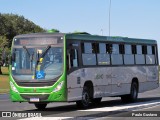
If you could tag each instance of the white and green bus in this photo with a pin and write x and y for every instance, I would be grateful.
(81, 68)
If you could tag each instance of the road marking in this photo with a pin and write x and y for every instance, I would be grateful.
(145, 105)
(147, 108)
(125, 107)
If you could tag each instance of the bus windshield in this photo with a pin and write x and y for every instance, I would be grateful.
(37, 62)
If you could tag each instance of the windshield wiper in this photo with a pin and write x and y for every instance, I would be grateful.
(30, 56)
(42, 56)
(24, 47)
(45, 51)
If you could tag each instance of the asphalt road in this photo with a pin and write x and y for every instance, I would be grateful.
(109, 107)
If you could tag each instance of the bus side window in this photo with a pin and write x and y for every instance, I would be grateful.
(144, 49)
(103, 57)
(153, 50)
(139, 57)
(89, 51)
(74, 58)
(154, 54)
(128, 56)
(109, 48)
(150, 56)
(134, 49)
(116, 56)
(121, 49)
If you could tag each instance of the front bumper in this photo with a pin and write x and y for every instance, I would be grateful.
(43, 97)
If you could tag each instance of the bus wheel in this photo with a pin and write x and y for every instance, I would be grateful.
(40, 106)
(85, 102)
(96, 100)
(132, 97)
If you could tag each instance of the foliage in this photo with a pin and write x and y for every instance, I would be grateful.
(3, 47)
(12, 25)
(3, 41)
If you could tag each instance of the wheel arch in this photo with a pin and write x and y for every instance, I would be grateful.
(89, 84)
(135, 79)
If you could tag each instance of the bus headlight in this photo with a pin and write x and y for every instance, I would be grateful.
(59, 86)
(13, 87)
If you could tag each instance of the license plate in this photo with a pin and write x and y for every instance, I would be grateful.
(34, 99)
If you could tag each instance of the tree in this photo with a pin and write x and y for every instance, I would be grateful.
(3, 47)
(10, 26)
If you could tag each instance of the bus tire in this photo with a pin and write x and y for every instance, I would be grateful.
(86, 98)
(132, 97)
(40, 106)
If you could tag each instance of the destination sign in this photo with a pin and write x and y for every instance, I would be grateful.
(37, 41)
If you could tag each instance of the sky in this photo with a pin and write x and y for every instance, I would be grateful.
(129, 18)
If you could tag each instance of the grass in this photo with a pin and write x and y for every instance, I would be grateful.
(5, 70)
(4, 81)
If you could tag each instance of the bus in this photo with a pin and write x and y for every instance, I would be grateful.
(81, 68)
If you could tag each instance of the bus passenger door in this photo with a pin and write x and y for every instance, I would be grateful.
(73, 76)
(72, 58)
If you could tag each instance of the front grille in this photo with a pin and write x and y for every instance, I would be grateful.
(41, 97)
(32, 83)
(35, 84)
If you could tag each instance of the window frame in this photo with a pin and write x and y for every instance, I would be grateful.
(109, 51)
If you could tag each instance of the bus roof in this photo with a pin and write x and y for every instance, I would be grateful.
(88, 37)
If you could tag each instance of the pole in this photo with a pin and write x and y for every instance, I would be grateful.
(110, 3)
